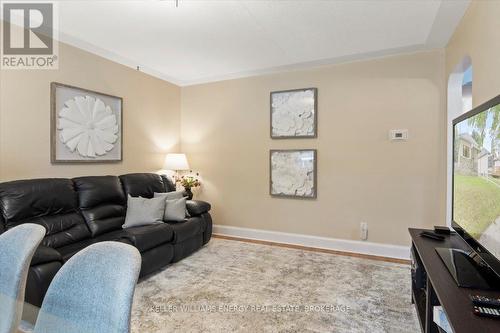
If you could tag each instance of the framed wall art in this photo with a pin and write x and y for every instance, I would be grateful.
(293, 173)
(86, 126)
(294, 113)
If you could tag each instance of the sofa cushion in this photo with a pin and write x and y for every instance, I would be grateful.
(44, 254)
(187, 229)
(102, 202)
(2, 223)
(104, 218)
(197, 207)
(69, 250)
(24, 199)
(97, 190)
(62, 229)
(143, 238)
(142, 184)
(147, 237)
(168, 183)
(49, 202)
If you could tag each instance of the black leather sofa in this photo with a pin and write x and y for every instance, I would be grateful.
(82, 211)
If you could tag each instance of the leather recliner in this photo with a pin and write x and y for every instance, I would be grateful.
(82, 211)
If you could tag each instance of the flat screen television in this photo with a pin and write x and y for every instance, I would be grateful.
(476, 197)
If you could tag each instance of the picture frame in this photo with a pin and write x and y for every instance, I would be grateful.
(294, 113)
(86, 126)
(293, 173)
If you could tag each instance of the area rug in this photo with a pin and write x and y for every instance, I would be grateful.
(233, 286)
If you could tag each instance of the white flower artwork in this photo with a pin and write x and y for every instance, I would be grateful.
(88, 126)
(293, 113)
(293, 173)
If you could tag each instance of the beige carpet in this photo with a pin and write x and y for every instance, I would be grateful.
(231, 286)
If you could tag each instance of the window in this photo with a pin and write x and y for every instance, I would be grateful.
(465, 151)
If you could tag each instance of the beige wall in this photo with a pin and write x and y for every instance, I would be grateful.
(478, 36)
(225, 132)
(151, 116)
(362, 175)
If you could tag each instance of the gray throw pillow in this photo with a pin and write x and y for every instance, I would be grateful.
(171, 196)
(175, 210)
(142, 211)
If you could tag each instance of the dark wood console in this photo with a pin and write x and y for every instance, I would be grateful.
(439, 288)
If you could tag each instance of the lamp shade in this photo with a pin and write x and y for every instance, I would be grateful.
(176, 162)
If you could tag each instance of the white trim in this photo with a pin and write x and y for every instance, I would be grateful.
(455, 109)
(131, 63)
(312, 65)
(369, 248)
(114, 57)
(445, 22)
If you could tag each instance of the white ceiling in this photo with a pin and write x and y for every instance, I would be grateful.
(202, 41)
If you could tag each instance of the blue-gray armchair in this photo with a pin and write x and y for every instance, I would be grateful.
(92, 292)
(17, 247)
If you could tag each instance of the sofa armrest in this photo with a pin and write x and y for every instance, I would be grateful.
(45, 254)
(197, 207)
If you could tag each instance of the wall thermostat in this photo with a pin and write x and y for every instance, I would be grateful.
(398, 134)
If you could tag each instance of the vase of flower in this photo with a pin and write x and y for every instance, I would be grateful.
(188, 193)
(188, 182)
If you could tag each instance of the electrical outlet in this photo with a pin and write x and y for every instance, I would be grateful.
(363, 231)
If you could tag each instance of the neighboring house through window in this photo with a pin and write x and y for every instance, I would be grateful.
(465, 151)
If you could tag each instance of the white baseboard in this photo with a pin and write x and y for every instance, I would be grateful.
(368, 248)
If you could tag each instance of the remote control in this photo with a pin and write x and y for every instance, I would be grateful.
(486, 312)
(485, 301)
(430, 234)
(442, 230)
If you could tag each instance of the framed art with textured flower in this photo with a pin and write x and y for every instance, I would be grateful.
(86, 126)
(294, 113)
(293, 173)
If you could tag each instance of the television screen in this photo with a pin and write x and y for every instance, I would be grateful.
(476, 177)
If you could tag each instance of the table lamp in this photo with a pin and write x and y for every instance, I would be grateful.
(176, 162)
